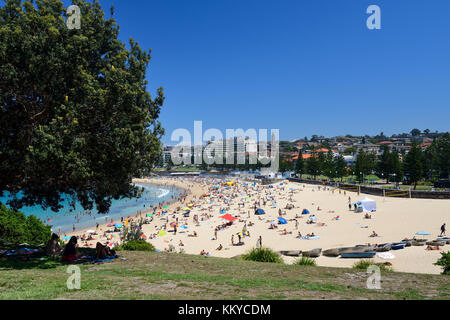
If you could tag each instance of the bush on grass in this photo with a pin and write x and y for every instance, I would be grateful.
(136, 245)
(444, 262)
(305, 261)
(365, 264)
(262, 255)
(16, 228)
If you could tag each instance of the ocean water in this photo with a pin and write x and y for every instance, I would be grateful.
(64, 220)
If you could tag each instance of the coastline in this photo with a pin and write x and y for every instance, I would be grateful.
(350, 230)
(188, 192)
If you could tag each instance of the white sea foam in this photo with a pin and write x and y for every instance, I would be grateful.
(164, 193)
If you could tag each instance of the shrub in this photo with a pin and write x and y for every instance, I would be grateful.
(365, 264)
(305, 261)
(136, 245)
(133, 232)
(262, 255)
(17, 228)
(444, 262)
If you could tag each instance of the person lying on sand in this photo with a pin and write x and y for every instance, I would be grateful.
(367, 216)
(432, 248)
(220, 248)
(181, 244)
(374, 235)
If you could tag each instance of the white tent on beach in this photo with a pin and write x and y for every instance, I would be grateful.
(366, 205)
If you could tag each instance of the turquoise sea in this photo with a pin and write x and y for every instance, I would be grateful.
(64, 220)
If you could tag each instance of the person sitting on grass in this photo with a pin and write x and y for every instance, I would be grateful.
(103, 252)
(53, 248)
(71, 253)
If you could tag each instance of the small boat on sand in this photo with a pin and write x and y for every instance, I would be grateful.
(408, 243)
(358, 255)
(291, 253)
(331, 253)
(447, 240)
(312, 253)
(436, 243)
(398, 246)
(353, 249)
(385, 247)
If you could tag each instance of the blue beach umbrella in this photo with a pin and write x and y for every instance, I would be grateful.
(65, 238)
(282, 220)
(118, 225)
(423, 233)
(259, 212)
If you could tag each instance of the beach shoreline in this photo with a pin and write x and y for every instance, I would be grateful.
(171, 204)
(351, 229)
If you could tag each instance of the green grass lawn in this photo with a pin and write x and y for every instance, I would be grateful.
(147, 275)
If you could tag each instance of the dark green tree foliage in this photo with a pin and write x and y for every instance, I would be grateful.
(389, 165)
(328, 164)
(438, 156)
(340, 166)
(16, 228)
(364, 165)
(75, 116)
(413, 165)
(313, 166)
(300, 164)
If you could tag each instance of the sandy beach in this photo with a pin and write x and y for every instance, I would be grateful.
(394, 220)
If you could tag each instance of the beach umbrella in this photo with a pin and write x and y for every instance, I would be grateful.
(65, 238)
(423, 233)
(149, 215)
(229, 217)
(118, 225)
(90, 231)
(313, 218)
(186, 209)
(166, 207)
(183, 227)
(282, 220)
(162, 233)
(173, 224)
(305, 211)
(259, 212)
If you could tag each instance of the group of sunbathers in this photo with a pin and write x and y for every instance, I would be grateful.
(70, 252)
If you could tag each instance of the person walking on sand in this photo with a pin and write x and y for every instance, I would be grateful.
(442, 230)
(259, 242)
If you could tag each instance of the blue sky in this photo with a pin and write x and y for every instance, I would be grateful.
(304, 67)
